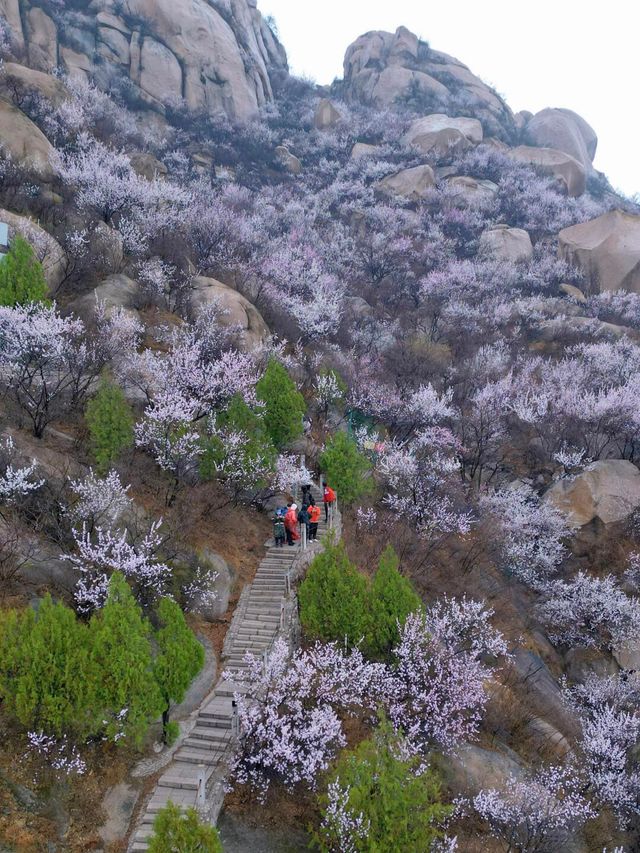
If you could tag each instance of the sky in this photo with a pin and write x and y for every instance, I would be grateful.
(546, 53)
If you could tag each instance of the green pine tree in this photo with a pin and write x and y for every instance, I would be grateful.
(391, 599)
(122, 655)
(175, 831)
(284, 404)
(46, 679)
(21, 277)
(333, 598)
(110, 422)
(402, 807)
(179, 656)
(259, 449)
(346, 469)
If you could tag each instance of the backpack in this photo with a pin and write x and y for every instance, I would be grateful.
(278, 530)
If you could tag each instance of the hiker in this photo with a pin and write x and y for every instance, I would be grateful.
(329, 497)
(291, 524)
(303, 518)
(279, 531)
(307, 497)
(314, 519)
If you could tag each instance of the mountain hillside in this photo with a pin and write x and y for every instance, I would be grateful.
(223, 283)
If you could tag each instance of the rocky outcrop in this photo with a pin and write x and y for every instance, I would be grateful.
(565, 131)
(116, 291)
(381, 68)
(509, 244)
(573, 292)
(558, 164)
(363, 149)
(211, 55)
(46, 248)
(410, 184)
(326, 115)
(608, 490)
(238, 311)
(444, 135)
(289, 162)
(606, 249)
(471, 768)
(472, 191)
(21, 79)
(25, 143)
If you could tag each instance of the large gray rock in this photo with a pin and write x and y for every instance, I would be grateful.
(557, 164)
(363, 149)
(411, 184)
(538, 682)
(21, 78)
(582, 663)
(116, 291)
(474, 192)
(213, 609)
(608, 490)
(472, 768)
(289, 162)
(326, 115)
(24, 142)
(442, 135)
(606, 249)
(238, 311)
(46, 248)
(565, 131)
(628, 655)
(509, 244)
(381, 68)
(216, 55)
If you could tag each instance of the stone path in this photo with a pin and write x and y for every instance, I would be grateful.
(196, 775)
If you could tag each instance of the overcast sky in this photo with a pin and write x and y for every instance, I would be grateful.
(545, 53)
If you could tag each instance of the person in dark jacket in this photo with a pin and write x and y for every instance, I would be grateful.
(279, 532)
(306, 495)
(303, 518)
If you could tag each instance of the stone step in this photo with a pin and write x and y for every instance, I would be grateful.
(174, 780)
(218, 707)
(189, 757)
(265, 595)
(268, 622)
(251, 640)
(217, 722)
(209, 733)
(228, 688)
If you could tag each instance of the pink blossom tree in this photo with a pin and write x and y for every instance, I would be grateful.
(437, 688)
(47, 363)
(530, 532)
(539, 811)
(100, 554)
(15, 481)
(590, 611)
(290, 727)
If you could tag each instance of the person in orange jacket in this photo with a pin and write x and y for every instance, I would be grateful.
(291, 524)
(329, 497)
(314, 519)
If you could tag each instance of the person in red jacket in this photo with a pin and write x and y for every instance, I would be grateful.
(314, 519)
(329, 497)
(291, 524)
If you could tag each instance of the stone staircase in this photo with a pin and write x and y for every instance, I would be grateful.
(200, 763)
